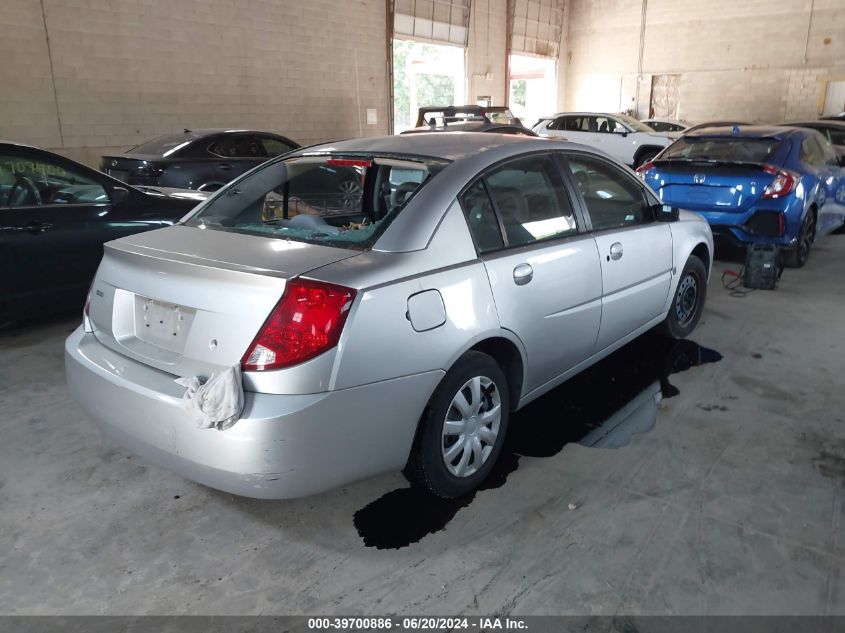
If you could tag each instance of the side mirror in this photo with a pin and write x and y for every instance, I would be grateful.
(119, 195)
(840, 160)
(665, 213)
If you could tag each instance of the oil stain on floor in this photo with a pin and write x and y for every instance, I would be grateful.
(574, 412)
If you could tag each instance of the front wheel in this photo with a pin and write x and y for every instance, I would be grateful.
(645, 157)
(688, 302)
(462, 429)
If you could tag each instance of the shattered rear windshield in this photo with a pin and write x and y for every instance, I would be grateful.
(345, 201)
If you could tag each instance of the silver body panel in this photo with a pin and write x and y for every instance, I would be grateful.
(423, 298)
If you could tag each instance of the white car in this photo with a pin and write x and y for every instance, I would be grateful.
(618, 135)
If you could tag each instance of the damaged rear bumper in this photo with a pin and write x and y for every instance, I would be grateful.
(283, 446)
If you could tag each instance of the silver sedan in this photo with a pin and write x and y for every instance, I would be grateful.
(392, 326)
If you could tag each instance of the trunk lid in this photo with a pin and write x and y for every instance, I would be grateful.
(709, 186)
(189, 301)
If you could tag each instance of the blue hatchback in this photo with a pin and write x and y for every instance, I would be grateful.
(776, 185)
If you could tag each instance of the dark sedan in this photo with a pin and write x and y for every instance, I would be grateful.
(196, 159)
(55, 215)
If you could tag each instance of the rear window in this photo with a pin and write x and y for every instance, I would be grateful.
(744, 150)
(330, 200)
(164, 145)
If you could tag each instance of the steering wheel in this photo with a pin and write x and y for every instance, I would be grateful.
(26, 186)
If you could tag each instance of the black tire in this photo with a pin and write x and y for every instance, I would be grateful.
(688, 301)
(644, 157)
(427, 466)
(798, 256)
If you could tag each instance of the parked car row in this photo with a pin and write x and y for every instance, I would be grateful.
(782, 185)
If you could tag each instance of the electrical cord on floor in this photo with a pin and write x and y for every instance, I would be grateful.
(734, 284)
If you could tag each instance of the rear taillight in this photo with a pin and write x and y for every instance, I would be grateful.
(783, 183)
(644, 167)
(306, 322)
(87, 310)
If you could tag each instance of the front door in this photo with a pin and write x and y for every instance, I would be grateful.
(545, 275)
(53, 230)
(634, 250)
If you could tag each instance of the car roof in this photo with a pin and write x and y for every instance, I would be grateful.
(831, 123)
(744, 131)
(557, 114)
(452, 146)
(474, 125)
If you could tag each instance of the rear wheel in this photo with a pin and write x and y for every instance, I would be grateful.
(644, 157)
(688, 302)
(799, 255)
(462, 429)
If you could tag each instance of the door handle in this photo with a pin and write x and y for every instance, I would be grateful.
(225, 166)
(615, 251)
(32, 227)
(522, 274)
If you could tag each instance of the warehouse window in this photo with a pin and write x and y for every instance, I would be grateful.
(425, 75)
(429, 38)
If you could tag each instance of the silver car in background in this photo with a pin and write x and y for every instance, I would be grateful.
(393, 330)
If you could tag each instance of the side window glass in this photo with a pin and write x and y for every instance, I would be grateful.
(810, 153)
(827, 151)
(605, 125)
(274, 146)
(26, 182)
(238, 146)
(483, 224)
(531, 200)
(613, 199)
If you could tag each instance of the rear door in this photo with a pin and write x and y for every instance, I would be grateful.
(545, 274)
(821, 159)
(237, 154)
(635, 251)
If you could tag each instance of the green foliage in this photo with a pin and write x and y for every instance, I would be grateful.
(432, 90)
(518, 87)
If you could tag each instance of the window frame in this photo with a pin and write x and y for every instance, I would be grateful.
(574, 203)
(35, 155)
(648, 197)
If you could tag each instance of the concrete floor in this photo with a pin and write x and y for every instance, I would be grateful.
(731, 504)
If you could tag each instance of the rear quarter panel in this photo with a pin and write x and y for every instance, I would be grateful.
(379, 342)
(688, 233)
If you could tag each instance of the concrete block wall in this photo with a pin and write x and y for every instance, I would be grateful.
(127, 70)
(744, 60)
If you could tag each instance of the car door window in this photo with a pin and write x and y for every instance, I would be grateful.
(827, 151)
(33, 181)
(274, 146)
(607, 125)
(613, 199)
(811, 153)
(576, 123)
(531, 201)
(238, 146)
(481, 218)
